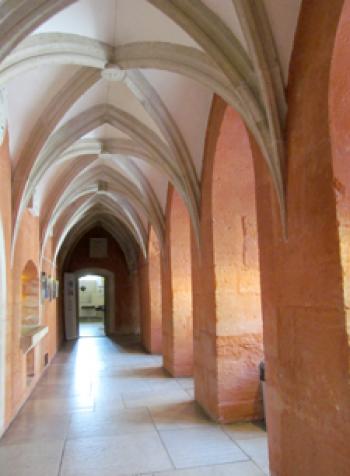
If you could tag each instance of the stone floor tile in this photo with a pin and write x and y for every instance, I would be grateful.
(102, 472)
(186, 383)
(32, 427)
(31, 459)
(109, 405)
(190, 393)
(233, 469)
(116, 412)
(115, 456)
(244, 430)
(62, 390)
(154, 398)
(85, 424)
(108, 387)
(57, 406)
(200, 447)
(168, 385)
(143, 372)
(256, 449)
(179, 415)
(91, 329)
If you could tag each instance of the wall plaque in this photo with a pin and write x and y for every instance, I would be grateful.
(98, 247)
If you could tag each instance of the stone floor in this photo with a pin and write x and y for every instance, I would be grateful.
(91, 329)
(108, 409)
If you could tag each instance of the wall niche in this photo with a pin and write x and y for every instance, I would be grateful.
(31, 330)
(30, 295)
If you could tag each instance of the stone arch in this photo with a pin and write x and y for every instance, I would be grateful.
(108, 206)
(204, 26)
(126, 279)
(236, 88)
(226, 275)
(177, 289)
(41, 49)
(119, 175)
(119, 189)
(84, 123)
(85, 152)
(113, 226)
(3, 326)
(305, 341)
(19, 19)
(148, 98)
(75, 128)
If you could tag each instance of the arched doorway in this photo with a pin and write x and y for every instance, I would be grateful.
(72, 303)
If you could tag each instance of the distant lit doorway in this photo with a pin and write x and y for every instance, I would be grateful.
(91, 306)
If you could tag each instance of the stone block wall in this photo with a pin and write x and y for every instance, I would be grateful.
(177, 290)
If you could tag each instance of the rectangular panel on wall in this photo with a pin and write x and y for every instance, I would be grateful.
(70, 306)
(98, 248)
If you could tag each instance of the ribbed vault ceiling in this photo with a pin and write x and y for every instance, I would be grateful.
(108, 102)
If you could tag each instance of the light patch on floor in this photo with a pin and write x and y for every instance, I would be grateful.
(91, 329)
(105, 407)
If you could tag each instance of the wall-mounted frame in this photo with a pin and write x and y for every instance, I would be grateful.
(50, 288)
(56, 288)
(44, 287)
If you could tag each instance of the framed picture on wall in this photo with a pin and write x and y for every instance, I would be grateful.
(50, 289)
(56, 285)
(98, 248)
(43, 287)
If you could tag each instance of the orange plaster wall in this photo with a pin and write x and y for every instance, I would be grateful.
(340, 122)
(305, 342)
(151, 296)
(145, 316)
(226, 278)
(237, 276)
(177, 290)
(155, 293)
(6, 218)
(27, 248)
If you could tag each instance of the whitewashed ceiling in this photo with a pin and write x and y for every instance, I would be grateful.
(35, 79)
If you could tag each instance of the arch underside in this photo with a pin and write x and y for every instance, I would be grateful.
(246, 77)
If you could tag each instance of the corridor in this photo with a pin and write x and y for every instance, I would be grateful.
(106, 408)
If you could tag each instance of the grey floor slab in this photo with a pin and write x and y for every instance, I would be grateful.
(174, 416)
(117, 455)
(232, 469)
(85, 424)
(153, 398)
(106, 408)
(29, 427)
(31, 459)
(200, 447)
(256, 449)
(243, 431)
(58, 406)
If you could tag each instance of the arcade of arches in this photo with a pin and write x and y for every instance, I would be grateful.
(195, 154)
